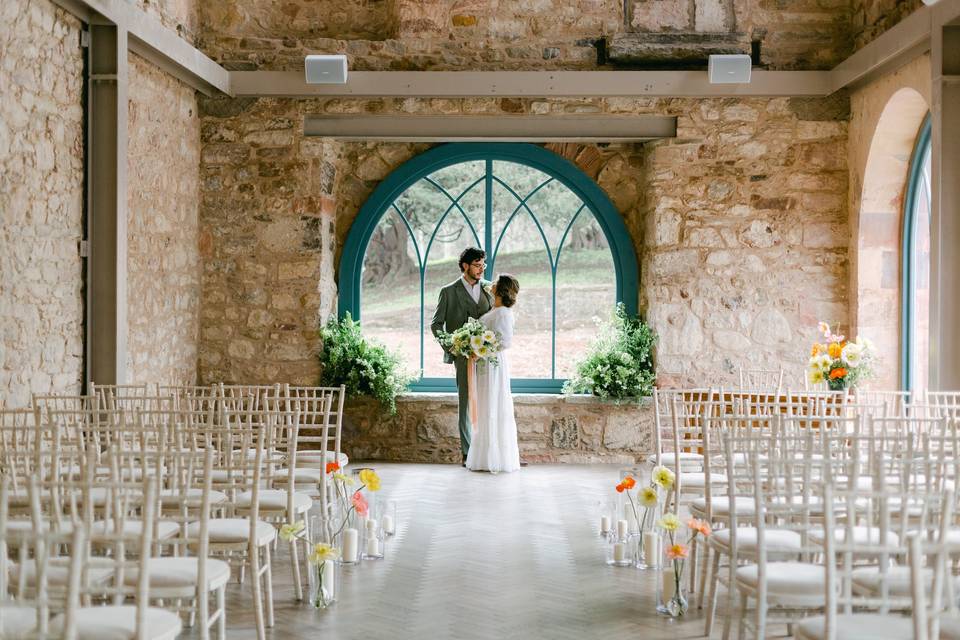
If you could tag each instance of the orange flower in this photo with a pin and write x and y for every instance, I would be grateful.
(817, 349)
(620, 488)
(834, 350)
(700, 526)
(839, 372)
(677, 551)
(629, 482)
(333, 466)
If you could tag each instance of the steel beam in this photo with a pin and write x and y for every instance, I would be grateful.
(479, 128)
(106, 342)
(945, 210)
(532, 84)
(149, 38)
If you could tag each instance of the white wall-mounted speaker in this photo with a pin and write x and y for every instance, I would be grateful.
(729, 69)
(326, 69)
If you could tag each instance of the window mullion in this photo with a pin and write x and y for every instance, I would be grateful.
(488, 218)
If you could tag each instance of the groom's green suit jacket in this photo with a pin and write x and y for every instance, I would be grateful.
(456, 306)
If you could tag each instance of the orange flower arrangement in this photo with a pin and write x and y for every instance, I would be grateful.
(333, 466)
(838, 362)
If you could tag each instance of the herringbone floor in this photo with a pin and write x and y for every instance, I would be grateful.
(480, 556)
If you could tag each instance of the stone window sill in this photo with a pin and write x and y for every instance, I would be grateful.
(525, 399)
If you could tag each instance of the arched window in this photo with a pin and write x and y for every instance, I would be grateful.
(915, 285)
(536, 215)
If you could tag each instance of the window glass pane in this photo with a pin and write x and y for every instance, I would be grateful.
(522, 254)
(554, 205)
(390, 290)
(453, 236)
(586, 288)
(425, 204)
(515, 183)
(920, 275)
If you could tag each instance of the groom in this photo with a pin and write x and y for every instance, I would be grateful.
(463, 298)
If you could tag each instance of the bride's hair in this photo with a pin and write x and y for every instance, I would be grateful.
(507, 288)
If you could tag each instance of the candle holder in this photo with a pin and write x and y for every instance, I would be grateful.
(619, 552)
(605, 512)
(324, 582)
(649, 550)
(671, 598)
(388, 518)
(373, 546)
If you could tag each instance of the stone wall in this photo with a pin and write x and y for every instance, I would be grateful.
(519, 34)
(41, 201)
(163, 258)
(870, 18)
(180, 15)
(577, 429)
(746, 242)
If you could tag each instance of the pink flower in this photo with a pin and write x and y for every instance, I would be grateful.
(677, 551)
(360, 504)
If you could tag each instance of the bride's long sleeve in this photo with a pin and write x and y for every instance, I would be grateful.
(505, 327)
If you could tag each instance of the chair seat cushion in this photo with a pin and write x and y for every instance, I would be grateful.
(319, 459)
(120, 623)
(861, 535)
(275, 500)
(180, 572)
(795, 582)
(194, 495)
(696, 479)
(776, 540)
(17, 622)
(867, 581)
(133, 528)
(234, 530)
(98, 570)
(721, 506)
(858, 626)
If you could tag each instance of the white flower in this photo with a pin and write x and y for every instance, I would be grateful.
(852, 354)
(489, 336)
(476, 342)
(815, 376)
(823, 361)
(482, 352)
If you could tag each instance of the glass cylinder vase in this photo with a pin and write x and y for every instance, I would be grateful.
(619, 552)
(373, 546)
(671, 598)
(388, 517)
(324, 580)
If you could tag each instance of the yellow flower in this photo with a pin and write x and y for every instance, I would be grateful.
(834, 350)
(815, 375)
(663, 477)
(370, 478)
(669, 522)
(346, 480)
(290, 531)
(648, 497)
(323, 551)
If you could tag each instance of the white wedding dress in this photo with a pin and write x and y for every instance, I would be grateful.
(494, 444)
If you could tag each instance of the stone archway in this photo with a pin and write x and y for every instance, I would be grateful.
(877, 254)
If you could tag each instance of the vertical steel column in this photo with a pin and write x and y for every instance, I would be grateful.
(945, 210)
(107, 204)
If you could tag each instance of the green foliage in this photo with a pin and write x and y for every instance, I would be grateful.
(364, 366)
(619, 364)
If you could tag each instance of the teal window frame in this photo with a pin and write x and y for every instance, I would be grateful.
(908, 236)
(437, 158)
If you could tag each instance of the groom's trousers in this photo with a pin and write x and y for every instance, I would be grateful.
(463, 397)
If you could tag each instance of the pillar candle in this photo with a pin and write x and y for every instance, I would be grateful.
(328, 574)
(622, 528)
(619, 552)
(651, 549)
(371, 526)
(669, 584)
(373, 546)
(350, 545)
(604, 524)
(386, 523)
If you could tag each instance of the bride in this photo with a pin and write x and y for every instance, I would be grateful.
(494, 447)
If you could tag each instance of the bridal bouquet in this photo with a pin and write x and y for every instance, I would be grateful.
(838, 362)
(473, 340)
